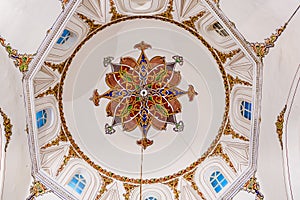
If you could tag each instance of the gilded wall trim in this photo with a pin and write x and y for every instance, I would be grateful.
(218, 151)
(233, 81)
(37, 189)
(60, 138)
(279, 125)
(252, 186)
(90, 23)
(114, 12)
(174, 187)
(105, 182)
(191, 22)
(224, 56)
(72, 154)
(168, 12)
(59, 67)
(229, 131)
(21, 61)
(190, 177)
(262, 48)
(50, 91)
(7, 128)
(129, 188)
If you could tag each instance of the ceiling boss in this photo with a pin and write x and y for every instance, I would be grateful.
(143, 93)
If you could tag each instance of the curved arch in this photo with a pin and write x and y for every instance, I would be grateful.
(291, 139)
(239, 122)
(158, 191)
(50, 129)
(78, 30)
(205, 26)
(203, 174)
(93, 181)
(141, 7)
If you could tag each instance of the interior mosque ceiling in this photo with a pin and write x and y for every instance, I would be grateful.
(152, 100)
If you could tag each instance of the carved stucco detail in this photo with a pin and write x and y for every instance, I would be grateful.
(106, 181)
(21, 61)
(7, 128)
(279, 125)
(93, 26)
(174, 187)
(72, 154)
(129, 188)
(37, 189)
(190, 178)
(218, 151)
(252, 186)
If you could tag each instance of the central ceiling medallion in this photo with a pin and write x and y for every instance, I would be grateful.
(143, 93)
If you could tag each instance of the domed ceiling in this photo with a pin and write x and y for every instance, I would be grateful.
(167, 88)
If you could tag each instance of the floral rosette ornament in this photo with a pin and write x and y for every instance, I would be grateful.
(143, 93)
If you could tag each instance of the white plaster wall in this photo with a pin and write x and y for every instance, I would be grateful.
(17, 165)
(24, 23)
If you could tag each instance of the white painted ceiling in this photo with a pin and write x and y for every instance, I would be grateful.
(24, 25)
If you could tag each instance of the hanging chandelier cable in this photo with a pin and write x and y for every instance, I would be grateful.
(141, 172)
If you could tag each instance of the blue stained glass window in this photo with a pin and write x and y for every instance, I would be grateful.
(64, 37)
(78, 183)
(41, 118)
(246, 108)
(151, 198)
(218, 181)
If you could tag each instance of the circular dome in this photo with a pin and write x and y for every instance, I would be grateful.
(171, 151)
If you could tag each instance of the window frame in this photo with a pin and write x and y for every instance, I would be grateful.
(79, 180)
(214, 178)
(245, 110)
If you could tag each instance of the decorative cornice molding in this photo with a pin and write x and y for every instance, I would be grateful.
(279, 125)
(252, 186)
(7, 128)
(21, 61)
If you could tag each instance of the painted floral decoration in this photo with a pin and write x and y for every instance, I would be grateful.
(143, 93)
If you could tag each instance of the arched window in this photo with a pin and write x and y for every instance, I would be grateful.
(220, 29)
(41, 118)
(150, 198)
(77, 183)
(218, 181)
(66, 34)
(245, 109)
